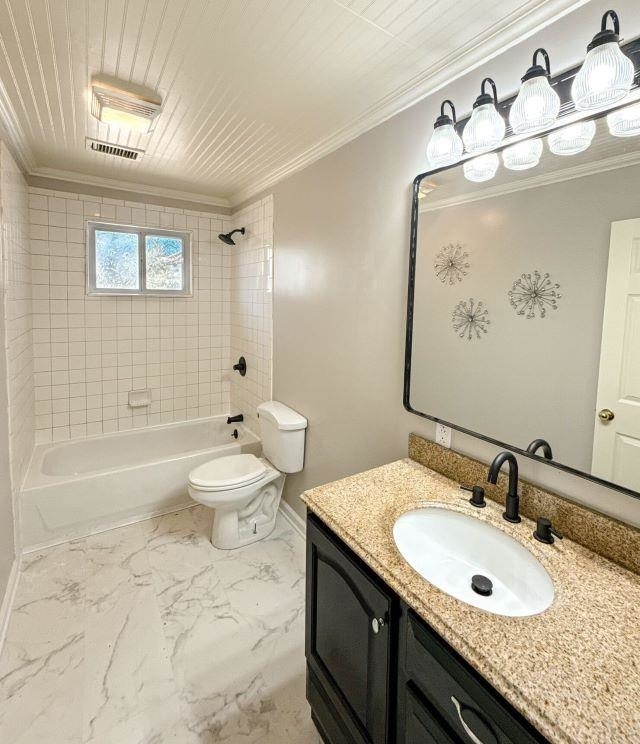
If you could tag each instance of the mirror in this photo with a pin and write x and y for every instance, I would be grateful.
(524, 306)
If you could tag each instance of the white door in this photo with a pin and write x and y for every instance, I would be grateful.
(616, 442)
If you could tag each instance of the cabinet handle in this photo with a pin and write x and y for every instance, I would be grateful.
(377, 623)
(467, 730)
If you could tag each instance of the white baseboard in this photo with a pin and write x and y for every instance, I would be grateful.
(294, 519)
(7, 601)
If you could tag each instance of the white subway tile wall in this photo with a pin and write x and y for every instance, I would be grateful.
(89, 352)
(251, 308)
(17, 312)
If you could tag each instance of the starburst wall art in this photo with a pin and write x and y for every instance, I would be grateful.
(470, 319)
(451, 264)
(533, 294)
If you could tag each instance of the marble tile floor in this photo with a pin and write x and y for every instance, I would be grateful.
(148, 635)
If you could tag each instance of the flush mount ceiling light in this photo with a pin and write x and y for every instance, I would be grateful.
(572, 139)
(485, 130)
(537, 105)
(625, 122)
(445, 146)
(606, 74)
(523, 155)
(124, 107)
(482, 168)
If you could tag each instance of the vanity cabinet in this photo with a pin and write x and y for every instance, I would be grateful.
(351, 638)
(378, 674)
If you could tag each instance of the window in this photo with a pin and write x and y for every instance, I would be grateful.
(137, 260)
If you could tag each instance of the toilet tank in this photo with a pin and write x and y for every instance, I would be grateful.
(282, 431)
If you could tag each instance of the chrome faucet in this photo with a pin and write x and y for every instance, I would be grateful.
(512, 509)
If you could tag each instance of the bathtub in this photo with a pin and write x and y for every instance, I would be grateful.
(76, 488)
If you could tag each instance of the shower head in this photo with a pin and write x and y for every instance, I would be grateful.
(226, 237)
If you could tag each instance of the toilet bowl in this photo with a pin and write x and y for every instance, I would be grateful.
(245, 490)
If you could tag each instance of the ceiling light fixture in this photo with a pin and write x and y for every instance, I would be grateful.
(123, 107)
(482, 168)
(572, 139)
(523, 155)
(485, 130)
(606, 74)
(537, 105)
(445, 146)
(625, 122)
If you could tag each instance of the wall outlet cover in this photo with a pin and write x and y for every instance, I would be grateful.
(443, 435)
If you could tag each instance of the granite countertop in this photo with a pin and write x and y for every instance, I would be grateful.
(572, 671)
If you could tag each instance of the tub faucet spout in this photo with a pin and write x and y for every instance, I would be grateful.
(235, 419)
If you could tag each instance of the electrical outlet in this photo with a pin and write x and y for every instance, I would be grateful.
(443, 435)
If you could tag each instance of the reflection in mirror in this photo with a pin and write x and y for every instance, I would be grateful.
(526, 320)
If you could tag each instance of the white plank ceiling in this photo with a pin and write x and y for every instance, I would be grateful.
(251, 89)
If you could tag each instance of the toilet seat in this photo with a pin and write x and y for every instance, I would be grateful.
(227, 473)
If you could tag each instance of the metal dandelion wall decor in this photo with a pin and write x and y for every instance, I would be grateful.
(470, 319)
(451, 263)
(533, 294)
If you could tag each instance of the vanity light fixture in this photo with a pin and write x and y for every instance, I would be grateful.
(625, 122)
(482, 168)
(445, 146)
(572, 139)
(485, 130)
(606, 74)
(537, 105)
(123, 107)
(523, 155)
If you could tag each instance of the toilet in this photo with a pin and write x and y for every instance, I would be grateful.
(245, 490)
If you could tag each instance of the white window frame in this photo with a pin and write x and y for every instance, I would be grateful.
(141, 232)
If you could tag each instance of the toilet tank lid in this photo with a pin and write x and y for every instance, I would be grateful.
(285, 418)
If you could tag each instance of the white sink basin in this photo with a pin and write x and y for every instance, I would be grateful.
(448, 548)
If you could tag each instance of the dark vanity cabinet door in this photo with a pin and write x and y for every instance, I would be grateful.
(350, 630)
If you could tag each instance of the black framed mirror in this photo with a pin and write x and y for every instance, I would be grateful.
(523, 311)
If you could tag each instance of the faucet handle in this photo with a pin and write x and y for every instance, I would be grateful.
(544, 532)
(477, 496)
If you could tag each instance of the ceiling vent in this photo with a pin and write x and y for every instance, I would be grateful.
(118, 151)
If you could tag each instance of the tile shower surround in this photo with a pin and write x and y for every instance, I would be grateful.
(251, 307)
(16, 306)
(90, 351)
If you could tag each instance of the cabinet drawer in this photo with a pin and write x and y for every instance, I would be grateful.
(473, 710)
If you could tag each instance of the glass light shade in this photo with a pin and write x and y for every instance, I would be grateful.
(572, 139)
(482, 168)
(536, 107)
(625, 122)
(605, 77)
(523, 155)
(485, 130)
(445, 147)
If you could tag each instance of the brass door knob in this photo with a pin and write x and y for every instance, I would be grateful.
(606, 414)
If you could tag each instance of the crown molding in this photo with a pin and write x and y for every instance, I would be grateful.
(544, 179)
(134, 190)
(522, 24)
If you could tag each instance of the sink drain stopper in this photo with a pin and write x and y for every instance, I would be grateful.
(482, 585)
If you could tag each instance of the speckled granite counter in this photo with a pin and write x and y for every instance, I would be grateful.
(573, 671)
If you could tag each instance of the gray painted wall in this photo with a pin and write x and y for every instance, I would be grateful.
(341, 239)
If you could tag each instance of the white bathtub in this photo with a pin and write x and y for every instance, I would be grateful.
(80, 487)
